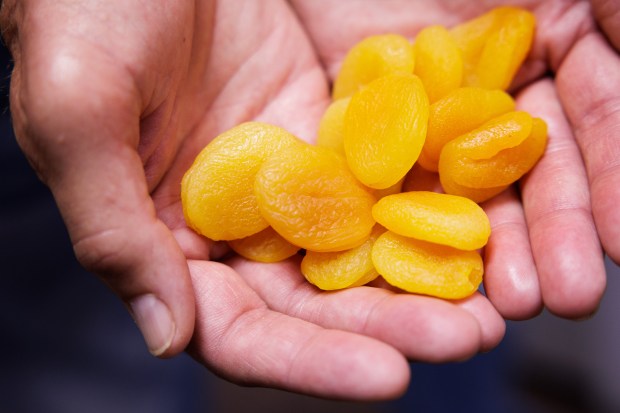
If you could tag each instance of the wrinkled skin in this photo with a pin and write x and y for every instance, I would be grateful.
(112, 100)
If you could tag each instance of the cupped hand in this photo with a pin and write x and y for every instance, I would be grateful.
(545, 247)
(111, 102)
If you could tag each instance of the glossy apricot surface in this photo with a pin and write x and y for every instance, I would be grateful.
(309, 196)
(217, 191)
(264, 246)
(426, 268)
(459, 112)
(370, 59)
(439, 62)
(438, 218)
(342, 269)
(494, 46)
(385, 128)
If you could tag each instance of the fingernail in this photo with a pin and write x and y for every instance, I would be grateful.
(154, 321)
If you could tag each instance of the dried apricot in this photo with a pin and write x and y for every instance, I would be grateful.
(438, 218)
(309, 196)
(439, 63)
(494, 46)
(264, 246)
(425, 268)
(385, 128)
(477, 195)
(496, 154)
(331, 127)
(217, 191)
(371, 58)
(342, 269)
(460, 111)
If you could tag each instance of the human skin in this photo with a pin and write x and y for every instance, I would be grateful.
(111, 101)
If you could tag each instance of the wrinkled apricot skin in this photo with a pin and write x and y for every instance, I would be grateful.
(439, 63)
(460, 111)
(494, 46)
(438, 218)
(371, 58)
(343, 269)
(264, 246)
(424, 268)
(309, 196)
(331, 127)
(385, 128)
(495, 155)
(217, 191)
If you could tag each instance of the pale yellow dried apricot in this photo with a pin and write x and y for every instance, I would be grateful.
(439, 63)
(438, 218)
(217, 191)
(264, 246)
(371, 58)
(385, 128)
(309, 196)
(342, 269)
(425, 268)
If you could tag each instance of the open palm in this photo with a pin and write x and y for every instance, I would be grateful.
(111, 114)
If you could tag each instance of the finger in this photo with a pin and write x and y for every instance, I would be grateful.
(510, 280)
(422, 328)
(76, 115)
(588, 82)
(491, 322)
(556, 199)
(607, 13)
(243, 340)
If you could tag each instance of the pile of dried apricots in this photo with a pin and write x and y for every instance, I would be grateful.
(439, 101)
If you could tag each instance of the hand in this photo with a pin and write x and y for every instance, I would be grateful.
(111, 102)
(544, 251)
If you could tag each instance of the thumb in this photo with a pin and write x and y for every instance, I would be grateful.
(76, 116)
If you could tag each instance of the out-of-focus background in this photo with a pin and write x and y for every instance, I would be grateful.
(68, 345)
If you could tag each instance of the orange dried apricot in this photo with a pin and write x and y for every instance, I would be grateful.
(439, 63)
(494, 46)
(371, 58)
(477, 195)
(342, 269)
(217, 191)
(438, 218)
(264, 246)
(394, 189)
(425, 268)
(460, 111)
(496, 154)
(385, 127)
(309, 196)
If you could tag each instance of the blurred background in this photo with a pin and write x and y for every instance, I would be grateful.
(68, 345)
